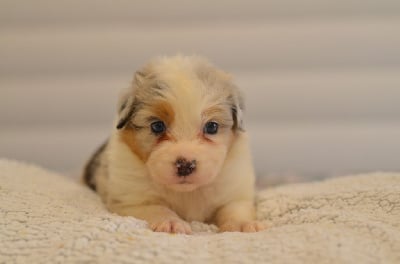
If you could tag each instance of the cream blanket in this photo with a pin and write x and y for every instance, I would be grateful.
(46, 218)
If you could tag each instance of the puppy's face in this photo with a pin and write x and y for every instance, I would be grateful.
(180, 119)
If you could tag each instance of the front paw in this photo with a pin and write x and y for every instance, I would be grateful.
(248, 226)
(171, 226)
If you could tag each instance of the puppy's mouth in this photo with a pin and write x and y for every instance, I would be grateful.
(184, 181)
(183, 185)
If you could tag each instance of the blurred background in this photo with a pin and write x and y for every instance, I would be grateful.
(321, 78)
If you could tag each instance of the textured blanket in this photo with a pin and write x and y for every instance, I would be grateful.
(46, 218)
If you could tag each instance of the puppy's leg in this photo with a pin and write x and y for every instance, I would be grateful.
(238, 216)
(160, 218)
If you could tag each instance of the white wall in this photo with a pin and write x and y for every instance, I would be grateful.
(321, 78)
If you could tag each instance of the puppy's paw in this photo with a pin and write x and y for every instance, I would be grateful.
(248, 227)
(171, 226)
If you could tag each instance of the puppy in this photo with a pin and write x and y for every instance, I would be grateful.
(178, 152)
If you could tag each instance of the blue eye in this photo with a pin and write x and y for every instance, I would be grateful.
(158, 127)
(211, 128)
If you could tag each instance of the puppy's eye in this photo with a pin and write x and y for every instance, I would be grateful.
(211, 128)
(158, 127)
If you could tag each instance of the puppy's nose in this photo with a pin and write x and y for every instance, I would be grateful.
(185, 167)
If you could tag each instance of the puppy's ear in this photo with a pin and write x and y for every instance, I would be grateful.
(237, 108)
(129, 104)
(127, 108)
(143, 75)
(140, 77)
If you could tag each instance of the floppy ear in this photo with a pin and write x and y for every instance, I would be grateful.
(126, 109)
(128, 103)
(237, 111)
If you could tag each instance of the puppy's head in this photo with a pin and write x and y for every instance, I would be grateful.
(180, 118)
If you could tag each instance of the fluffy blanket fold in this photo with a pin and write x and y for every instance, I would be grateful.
(45, 217)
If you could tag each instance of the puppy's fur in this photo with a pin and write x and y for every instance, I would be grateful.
(139, 173)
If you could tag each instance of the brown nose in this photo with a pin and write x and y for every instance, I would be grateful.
(184, 167)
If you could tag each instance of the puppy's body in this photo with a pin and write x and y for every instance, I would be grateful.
(178, 153)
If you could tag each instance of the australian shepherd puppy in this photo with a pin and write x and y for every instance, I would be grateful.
(178, 152)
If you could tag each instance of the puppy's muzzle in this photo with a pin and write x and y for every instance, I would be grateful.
(185, 167)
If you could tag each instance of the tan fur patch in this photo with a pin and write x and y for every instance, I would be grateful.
(128, 136)
(163, 111)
